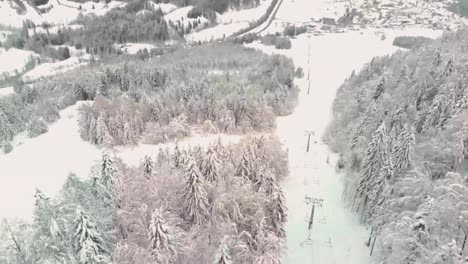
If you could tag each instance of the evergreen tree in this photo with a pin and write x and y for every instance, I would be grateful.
(435, 115)
(278, 211)
(178, 157)
(377, 195)
(449, 69)
(160, 238)
(6, 129)
(380, 89)
(88, 244)
(195, 201)
(102, 131)
(376, 154)
(108, 171)
(210, 165)
(403, 150)
(148, 165)
(224, 256)
(246, 168)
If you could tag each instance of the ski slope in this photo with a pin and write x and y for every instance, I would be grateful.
(336, 235)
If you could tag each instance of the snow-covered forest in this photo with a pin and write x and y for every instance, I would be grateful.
(400, 126)
(219, 204)
(233, 131)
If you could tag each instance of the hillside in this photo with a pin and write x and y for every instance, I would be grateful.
(400, 126)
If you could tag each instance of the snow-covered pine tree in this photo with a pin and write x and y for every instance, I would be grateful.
(108, 171)
(437, 58)
(277, 211)
(210, 165)
(147, 166)
(380, 89)
(376, 153)
(6, 129)
(159, 236)
(378, 194)
(224, 255)
(195, 201)
(434, 116)
(102, 131)
(179, 157)
(88, 244)
(246, 168)
(403, 149)
(449, 68)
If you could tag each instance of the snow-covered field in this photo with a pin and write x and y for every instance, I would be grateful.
(61, 12)
(14, 60)
(6, 91)
(165, 8)
(230, 23)
(134, 48)
(52, 68)
(43, 162)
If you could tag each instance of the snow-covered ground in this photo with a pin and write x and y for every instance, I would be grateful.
(134, 48)
(6, 91)
(43, 162)
(14, 60)
(61, 12)
(52, 68)
(165, 8)
(230, 22)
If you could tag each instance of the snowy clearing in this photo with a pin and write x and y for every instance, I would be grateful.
(61, 12)
(134, 48)
(51, 68)
(244, 15)
(6, 91)
(230, 23)
(65, 153)
(165, 8)
(14, 60)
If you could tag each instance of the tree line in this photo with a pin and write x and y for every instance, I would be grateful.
(400, 126)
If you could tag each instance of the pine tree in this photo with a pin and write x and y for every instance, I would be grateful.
(224, 255)
(210, 165)
(6, 129)
(108, 171)
(434, 117)
(449, 68)
(376, 154)
(88, 244)
(179, 157)
(247, 166)
(102, 131)
(437, 58)
(278, 211)
(380, 89)
(377, 195)
(403, 150)
(194, 196)
(147, 166)
(159, 235)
